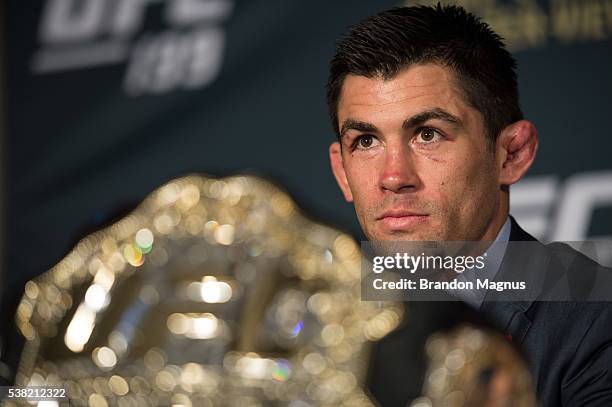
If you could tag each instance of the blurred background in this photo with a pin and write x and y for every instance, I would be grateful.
(105, 100)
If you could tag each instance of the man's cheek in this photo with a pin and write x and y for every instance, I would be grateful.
(447, 200)
(362, 182)
(443, 191)
(359, 192)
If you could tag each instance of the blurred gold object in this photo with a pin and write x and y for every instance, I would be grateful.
(212, 292)
(473, 367)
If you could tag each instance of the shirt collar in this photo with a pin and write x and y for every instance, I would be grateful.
(495, 254)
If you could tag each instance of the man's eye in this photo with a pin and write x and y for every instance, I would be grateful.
(428, 135)
(364, 142)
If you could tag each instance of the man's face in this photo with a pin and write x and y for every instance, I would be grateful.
(416, 159)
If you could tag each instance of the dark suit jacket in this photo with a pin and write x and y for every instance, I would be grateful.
(567, 344)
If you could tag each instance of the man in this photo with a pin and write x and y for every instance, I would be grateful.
(425, 104)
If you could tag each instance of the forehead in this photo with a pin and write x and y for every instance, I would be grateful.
(410, 91)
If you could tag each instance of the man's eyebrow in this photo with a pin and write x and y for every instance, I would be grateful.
(351, 124)
(426, 115)
(414, 121)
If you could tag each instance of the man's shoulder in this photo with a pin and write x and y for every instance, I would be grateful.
(566, 336)
(575, 289)
(562, 251)
(580, 293)
(563, 271)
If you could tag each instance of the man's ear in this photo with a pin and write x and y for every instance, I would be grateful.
(516, 148)
(335, 157)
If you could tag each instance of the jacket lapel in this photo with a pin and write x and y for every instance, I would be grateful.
(512, 317)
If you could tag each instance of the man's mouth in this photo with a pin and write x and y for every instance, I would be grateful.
(400, 219)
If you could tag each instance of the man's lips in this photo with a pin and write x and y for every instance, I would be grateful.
(400, 219)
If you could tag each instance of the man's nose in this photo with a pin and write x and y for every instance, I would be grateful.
(399, 173)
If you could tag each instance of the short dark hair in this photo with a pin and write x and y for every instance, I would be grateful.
(384, 44)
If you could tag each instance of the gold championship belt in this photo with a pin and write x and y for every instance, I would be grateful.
(218, 292)
(213, 292)
(473, 367)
